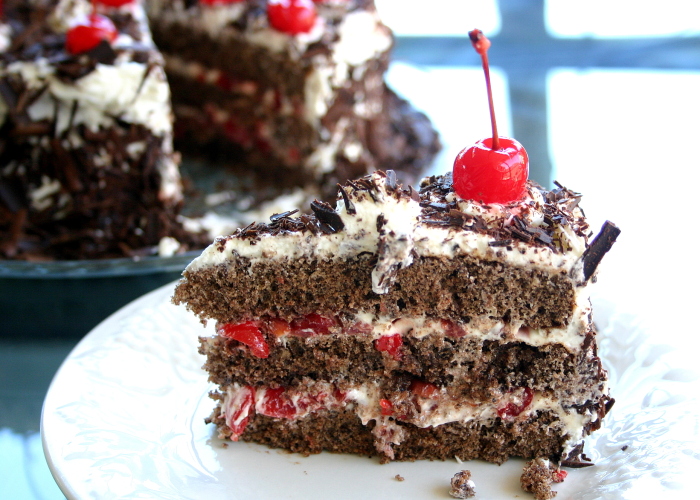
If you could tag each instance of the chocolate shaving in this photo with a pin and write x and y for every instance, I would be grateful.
(8, 94)
(600, 245)
(276, 217)
(103, 53)
(349, 206)
(325, 214)
(500, 243)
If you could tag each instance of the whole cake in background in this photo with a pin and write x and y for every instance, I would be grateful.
(289, 89)
(87, 166)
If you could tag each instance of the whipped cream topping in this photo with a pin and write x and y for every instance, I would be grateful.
(380, 219)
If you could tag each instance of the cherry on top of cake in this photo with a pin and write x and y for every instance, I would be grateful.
(495, 169)
(87, 34)
(288, 16)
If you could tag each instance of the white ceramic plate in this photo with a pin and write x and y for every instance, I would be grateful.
(124, 417)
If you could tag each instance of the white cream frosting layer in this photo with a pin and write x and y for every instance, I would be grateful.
(403, 236)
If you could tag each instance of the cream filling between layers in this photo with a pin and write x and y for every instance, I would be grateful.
(482, 328)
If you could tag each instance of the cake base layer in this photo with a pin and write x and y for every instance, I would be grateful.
(343, 432)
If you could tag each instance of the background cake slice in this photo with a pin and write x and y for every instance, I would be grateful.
(291, 91)
(87, 167)
(406, 324)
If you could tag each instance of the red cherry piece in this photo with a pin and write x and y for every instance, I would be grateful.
(494, 170)
(114, 3)
(513, 409)
(452, 329)
(424, 389)
(558, 476)
(249, 334)
(244, 404)
(386, 407)
(291, 16)
(391, 344)
(312, 324)
(275, 405)
(491, 175)
(85, 37)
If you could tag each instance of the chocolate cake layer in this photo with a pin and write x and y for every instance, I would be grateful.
(88, 169)
(471, 367)
(343, 432)
(457, 288)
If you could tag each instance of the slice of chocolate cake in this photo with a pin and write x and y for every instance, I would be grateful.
(87, 167)
(290, 90)
(407, 324)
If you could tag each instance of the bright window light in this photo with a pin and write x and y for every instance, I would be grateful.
(430, 19)
(621, 18)
(455, 100)
(617, 133)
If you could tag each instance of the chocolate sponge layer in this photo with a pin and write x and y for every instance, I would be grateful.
(473, 368)
(457, 289)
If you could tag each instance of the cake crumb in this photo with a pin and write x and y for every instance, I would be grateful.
(225, 445)
(462, 485)
(538, 476)
(399, 477)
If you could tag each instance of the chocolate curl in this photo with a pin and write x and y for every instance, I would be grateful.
(325, 213)
(599, 247)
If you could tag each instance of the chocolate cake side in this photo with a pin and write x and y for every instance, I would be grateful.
(88, 169)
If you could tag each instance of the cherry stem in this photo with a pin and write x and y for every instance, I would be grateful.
(482, 44)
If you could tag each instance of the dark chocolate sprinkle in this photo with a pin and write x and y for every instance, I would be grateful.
(276, 217)
(325, 213)
(601, 244)
(349, 206)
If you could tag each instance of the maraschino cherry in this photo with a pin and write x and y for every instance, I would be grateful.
(84, 37)
(494, 170)
(291, 16)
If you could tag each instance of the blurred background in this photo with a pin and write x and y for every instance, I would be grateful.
(604, 96)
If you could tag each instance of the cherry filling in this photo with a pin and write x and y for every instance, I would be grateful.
(391, 344)
(517, 405)
(424, 389)
(247, 333)
(241, 407)
(253, 333)
(280, 402)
